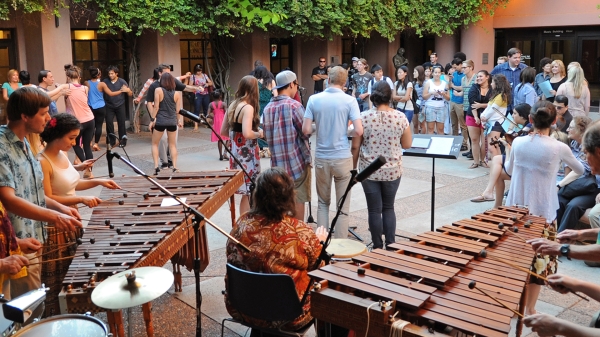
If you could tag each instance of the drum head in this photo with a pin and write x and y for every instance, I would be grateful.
(345, 248)
(65, 325)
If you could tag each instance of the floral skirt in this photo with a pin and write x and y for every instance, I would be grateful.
(246, 151)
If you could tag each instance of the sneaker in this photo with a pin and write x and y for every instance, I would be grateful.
(170, 164)
(164, 166)
(468, 153)
(156, 171)
(464, 148)
(469, 156)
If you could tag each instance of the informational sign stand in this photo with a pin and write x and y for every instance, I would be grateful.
(434, 146)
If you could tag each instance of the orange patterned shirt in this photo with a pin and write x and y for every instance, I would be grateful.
(289, 247)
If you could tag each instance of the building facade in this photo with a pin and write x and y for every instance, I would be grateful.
(540, 28)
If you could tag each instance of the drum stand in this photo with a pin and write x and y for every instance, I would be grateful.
(198, 218)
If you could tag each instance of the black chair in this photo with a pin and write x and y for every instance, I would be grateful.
(269, 297)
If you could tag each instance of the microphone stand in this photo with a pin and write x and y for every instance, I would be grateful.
(235, 159)
(198, 218)
(324, 256)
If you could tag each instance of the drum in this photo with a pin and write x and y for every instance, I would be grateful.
(344, 250)
(65, 325)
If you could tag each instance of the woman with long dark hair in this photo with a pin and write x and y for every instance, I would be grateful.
(167, 102)
(495, 113)
(61, 178)
(419, 80)
(241, 125)
(266, 87)
(479, 96)
(403, 94)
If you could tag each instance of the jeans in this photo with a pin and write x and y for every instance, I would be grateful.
(381, 196)
(201, 101)
(339, 171)
(111, 112)
(163, 148)
(570, 210)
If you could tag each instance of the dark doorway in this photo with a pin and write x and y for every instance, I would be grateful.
(281, 55)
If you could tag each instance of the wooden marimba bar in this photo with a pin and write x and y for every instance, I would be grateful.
(425, 282)
(143, 232)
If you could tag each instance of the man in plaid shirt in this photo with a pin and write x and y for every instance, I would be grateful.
(290, 150)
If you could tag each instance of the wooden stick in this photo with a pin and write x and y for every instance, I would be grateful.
(533, 274)
(517, 235)
(54, 260)
(52, 251)
(134, 192)
(498, 301)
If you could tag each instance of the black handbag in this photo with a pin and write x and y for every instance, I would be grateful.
(581, 186)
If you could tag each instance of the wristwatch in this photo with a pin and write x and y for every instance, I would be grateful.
(564, 251)
(152, 119)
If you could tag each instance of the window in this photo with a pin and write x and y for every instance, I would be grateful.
(7, 54)
(91, 48)
(281, 55)
(348, 50)
(196, 49)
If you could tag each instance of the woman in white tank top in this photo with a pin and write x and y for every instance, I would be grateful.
(435, 93)
(61, 178)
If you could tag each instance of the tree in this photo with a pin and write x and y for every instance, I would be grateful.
(8, 7)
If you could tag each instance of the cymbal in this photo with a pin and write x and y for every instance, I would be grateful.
(132, 287)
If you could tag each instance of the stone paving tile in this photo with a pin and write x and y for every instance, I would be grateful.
(562, 300)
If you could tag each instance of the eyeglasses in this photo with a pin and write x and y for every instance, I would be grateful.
(295, 83)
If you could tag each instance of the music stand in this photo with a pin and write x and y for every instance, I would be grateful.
(437, 147)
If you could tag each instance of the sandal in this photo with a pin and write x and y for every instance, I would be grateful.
(175, 170)
(474, 165)
(225, 157)
(95, 147)
(481, 198)
(156, 171)
(483, 164)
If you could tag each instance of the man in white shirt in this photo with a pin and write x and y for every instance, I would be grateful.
(332, 110)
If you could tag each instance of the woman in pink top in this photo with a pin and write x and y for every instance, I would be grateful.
(77, 105)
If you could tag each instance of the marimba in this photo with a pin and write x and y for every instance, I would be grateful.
(144, 233)
(425, 282)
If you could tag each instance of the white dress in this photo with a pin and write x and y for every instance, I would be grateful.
(533, 165)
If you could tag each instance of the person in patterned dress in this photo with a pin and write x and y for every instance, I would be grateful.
(241, 126)
(279, 243)
(386, 132)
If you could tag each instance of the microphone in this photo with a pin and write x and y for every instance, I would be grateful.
(374, 166)
(301, 88)
(190, 115)
(109, 158)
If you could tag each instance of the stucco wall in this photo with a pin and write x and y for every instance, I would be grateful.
(546, 13)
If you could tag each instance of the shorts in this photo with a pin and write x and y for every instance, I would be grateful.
(470, 121)
(435, 114)
(169, 128)
(302, 186)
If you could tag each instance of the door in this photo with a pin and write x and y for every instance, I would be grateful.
(527, 47)
(8, 59)
(589, 56)
(281, 55)
(559, 49)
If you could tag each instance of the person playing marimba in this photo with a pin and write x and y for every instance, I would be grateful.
(278, 242)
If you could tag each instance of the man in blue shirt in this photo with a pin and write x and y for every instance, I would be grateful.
(512, 70)
(332, 110)
(457, 114)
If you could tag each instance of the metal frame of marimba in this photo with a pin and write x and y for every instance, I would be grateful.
(426, 280)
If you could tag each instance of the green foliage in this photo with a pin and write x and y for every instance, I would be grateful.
(29, 6)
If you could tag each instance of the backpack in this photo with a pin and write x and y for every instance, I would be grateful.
(372, 82)
(415, 98)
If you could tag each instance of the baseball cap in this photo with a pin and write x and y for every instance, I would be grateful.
(284, 78)
(354, 59)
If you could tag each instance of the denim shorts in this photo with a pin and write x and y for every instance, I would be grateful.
(435, 114)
